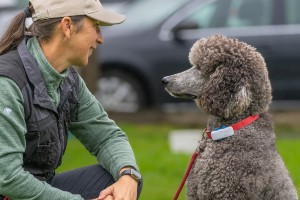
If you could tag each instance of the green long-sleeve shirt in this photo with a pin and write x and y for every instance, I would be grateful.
(95, 130)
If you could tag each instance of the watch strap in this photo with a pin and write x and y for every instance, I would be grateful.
(133, 173)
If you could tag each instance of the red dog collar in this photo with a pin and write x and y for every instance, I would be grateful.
(228, 131)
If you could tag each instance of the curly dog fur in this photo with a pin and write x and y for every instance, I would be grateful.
(229, 80)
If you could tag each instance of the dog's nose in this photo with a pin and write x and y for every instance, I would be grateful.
(165, 81)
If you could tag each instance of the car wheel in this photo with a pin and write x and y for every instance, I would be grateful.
(118, 91)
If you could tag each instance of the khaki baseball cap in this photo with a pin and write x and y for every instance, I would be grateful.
(46, 9)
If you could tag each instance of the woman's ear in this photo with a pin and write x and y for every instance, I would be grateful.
(66, 26)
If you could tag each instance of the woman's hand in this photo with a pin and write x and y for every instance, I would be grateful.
(124, 189)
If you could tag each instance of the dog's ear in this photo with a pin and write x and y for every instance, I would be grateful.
(239, 102)
(226, 93)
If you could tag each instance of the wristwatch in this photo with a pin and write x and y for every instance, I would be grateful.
(133, 173)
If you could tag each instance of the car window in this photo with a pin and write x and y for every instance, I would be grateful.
(146, 13)
(209, 15)
(13, 4)
(292, 11)
(249, 13)
(7, 3)
(232, 13)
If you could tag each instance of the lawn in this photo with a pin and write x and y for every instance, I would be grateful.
(162, 170)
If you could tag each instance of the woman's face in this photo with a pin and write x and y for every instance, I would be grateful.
(84, 41)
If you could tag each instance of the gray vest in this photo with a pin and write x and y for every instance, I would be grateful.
(47, 126)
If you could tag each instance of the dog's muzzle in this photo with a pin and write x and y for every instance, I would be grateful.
(165, 81)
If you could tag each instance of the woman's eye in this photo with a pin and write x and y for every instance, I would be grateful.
(97, 28)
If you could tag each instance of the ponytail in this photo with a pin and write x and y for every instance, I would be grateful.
(15, 32)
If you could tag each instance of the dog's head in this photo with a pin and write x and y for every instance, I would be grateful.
(228, 78)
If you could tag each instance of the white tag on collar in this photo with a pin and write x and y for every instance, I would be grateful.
(222, 133)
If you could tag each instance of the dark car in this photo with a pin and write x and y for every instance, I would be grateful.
(156, 38)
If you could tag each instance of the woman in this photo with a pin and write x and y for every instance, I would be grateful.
(42, 98)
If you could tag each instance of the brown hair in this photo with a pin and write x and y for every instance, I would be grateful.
(43, 29)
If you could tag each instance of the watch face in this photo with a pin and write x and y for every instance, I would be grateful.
(135, 174)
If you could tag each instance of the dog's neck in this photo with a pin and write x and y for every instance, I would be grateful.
(215, 121)
(225, 131)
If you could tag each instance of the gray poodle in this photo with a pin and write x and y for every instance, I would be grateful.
(237, 154)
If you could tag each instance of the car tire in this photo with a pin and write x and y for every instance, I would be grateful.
(119, 91)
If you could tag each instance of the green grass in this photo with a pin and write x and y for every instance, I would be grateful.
(290, 152)
(163, 170)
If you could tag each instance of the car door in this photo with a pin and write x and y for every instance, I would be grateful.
(272, 26)
(284, 66)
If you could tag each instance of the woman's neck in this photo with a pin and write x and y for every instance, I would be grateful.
(54, 53)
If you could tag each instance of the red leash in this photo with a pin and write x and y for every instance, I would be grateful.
(195, 154)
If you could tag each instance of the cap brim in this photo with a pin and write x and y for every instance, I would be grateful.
(107, 18)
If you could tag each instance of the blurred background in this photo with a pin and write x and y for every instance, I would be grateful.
(125, 75)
